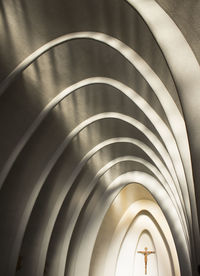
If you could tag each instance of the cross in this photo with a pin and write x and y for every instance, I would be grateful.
(146, 253)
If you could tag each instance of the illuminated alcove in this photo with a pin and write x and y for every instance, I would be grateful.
(145, 255)
(134, 221)
(144, 233)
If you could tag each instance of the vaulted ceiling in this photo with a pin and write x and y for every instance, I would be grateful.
(97, 97)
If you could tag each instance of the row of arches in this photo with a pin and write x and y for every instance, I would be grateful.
(72, 158)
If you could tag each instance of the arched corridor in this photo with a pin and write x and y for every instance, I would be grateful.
(100, 154)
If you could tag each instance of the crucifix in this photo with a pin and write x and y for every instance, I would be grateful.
(146, 253)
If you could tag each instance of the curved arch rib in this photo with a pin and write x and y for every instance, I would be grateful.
(185, 71)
